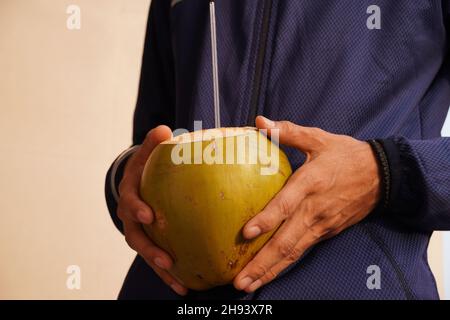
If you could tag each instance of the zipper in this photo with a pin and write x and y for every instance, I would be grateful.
(398, 271)
(259, 68)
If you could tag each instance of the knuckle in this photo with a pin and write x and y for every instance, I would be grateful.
(314, 181)
(319, 183)
(129, 206)
(308, 207)
(294, 255)
(260, 270)
(286, 247)
(284, 207)
(308, 179)
(288, 127)
(319, 136)
(271, 218)
(267, 223)
(322, 142)
(310, 219)
(270, 275)
(127, 197)
(288, 250)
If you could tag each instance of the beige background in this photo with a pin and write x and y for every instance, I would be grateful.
(66, 100)
(66, 103)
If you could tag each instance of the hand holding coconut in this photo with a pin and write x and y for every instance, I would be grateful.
(337, 187)
(134, 212)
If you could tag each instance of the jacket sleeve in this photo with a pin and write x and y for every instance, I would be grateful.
(155, 103)
(420, 174)
(420, 182)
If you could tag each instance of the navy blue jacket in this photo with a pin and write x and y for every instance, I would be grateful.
(316, 63)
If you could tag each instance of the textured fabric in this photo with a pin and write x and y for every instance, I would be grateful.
(423, 164)
(324, 68)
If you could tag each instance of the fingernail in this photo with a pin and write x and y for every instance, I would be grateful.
(160, 263)
(252, 232)
(268, 123)
(143, 217)
(244, 283)
(178, 289)
(255, 285)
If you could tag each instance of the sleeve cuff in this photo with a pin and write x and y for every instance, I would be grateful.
(113, 178)
(384, 171)
(117, 170)
(393, 155)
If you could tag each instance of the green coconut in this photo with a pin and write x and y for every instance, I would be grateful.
(203, 187)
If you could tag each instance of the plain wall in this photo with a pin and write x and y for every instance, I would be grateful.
(66, 103)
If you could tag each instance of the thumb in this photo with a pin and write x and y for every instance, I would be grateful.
(158, 135)
(153, 138)
(303, 138)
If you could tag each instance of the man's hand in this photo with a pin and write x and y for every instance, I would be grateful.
(134, 212)
(338, 186)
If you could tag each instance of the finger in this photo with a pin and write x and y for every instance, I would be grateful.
(156, 258)
(282, 206)
(283, 245)
(323, 230)
(130, 204)
(135, 165)
(169, 280)
(138, 241)
(276, 269)
(132, 207)
(284, 256)
(306, 139)
(153, 138)
(289, 254)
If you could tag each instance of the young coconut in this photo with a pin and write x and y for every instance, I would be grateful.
(203, 187)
